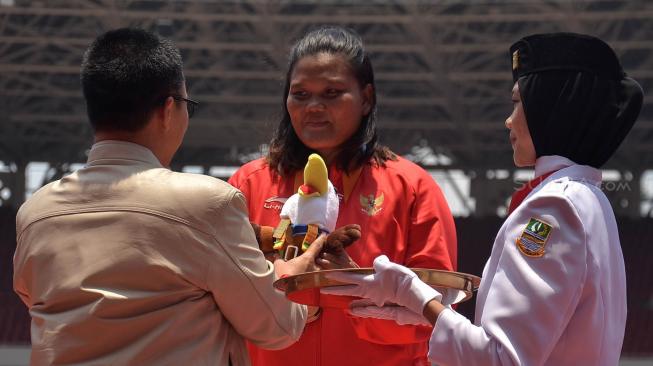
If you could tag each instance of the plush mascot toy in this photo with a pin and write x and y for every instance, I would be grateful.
(309, 212)
(306, 214)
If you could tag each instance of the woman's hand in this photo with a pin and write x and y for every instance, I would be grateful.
(334, 255)
(335, 261)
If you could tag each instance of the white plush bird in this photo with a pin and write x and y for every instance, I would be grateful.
(309, 212)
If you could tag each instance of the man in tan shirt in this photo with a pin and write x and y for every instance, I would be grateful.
(127, 262)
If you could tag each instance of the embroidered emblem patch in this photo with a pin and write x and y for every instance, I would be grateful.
(533, 238)
(371, 205)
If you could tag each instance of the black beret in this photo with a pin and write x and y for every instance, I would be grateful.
(564, 51)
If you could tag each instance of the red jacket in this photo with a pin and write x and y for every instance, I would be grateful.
(403, 215)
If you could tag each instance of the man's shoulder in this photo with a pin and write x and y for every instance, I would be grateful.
(191, 198)
(37, 202)
(191, 184)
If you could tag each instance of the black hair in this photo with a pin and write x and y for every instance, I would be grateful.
(287, 153)
(126, 73)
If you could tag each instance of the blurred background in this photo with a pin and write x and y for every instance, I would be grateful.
(443, 85)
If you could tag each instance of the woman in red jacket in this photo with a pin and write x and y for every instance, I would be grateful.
(330, 109)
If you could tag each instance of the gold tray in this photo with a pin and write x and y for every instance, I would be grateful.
(304, 288)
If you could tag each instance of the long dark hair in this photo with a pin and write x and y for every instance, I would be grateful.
(287, 153)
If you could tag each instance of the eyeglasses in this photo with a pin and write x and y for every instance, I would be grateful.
(190, 104)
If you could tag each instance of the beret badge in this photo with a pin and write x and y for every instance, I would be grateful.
(515, 60)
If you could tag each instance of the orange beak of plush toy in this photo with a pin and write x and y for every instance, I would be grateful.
(308, 191)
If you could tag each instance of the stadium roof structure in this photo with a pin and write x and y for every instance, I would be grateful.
(442, 70)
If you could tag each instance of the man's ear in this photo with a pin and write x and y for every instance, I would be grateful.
(161, 116)
(367, 96)
(166, 113)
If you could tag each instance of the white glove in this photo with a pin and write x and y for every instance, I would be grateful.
(391, 283)
(399, 314)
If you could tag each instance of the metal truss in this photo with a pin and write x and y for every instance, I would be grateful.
(442, 69)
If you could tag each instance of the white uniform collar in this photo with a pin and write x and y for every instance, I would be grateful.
(564, 167)
(550, 163)
(115, 149)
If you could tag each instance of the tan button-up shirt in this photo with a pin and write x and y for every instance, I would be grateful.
(127, 262)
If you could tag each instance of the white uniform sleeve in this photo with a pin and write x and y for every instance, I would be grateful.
(530, 299)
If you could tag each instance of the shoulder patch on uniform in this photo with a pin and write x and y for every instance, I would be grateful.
(533, 238)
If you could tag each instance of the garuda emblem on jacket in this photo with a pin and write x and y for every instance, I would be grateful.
(371, 205)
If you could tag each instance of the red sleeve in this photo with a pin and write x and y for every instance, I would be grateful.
(431, 244)
(432, 234)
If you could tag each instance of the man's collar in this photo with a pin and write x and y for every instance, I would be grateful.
(116, 149)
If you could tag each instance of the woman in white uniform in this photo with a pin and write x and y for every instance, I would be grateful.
(554, 288)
